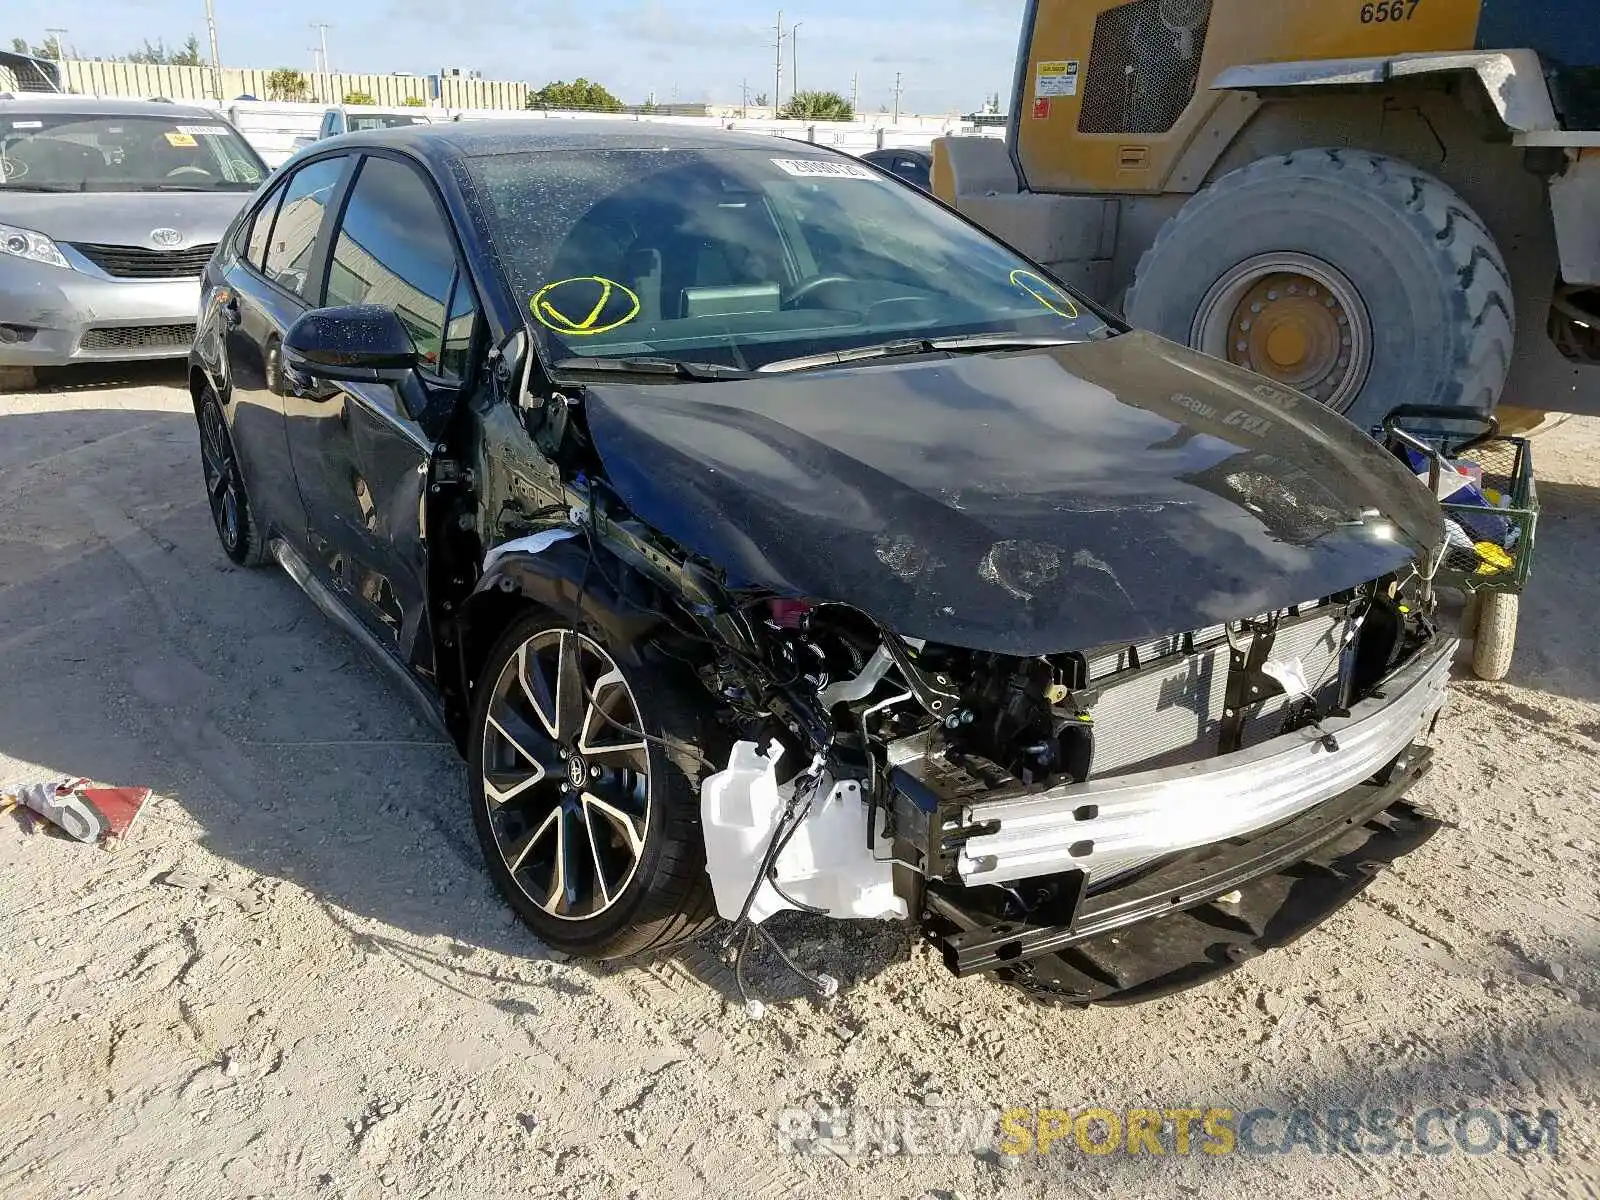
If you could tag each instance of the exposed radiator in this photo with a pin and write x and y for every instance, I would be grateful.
(1169, 710)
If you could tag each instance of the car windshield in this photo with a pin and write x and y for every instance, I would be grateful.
(362, 121)
(68, 152)
(749, 257)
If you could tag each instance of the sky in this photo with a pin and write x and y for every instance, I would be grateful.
(951, 53)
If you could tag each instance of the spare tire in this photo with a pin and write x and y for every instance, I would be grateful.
(1355, 278)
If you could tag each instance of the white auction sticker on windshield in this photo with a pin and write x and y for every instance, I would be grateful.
(27, 124)
(204, 130)
(812, 168)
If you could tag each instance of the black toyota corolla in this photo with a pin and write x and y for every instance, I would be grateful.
(769, 537)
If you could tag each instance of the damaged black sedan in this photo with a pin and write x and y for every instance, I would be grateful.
(768, 537)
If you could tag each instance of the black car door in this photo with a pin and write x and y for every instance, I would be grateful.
(360, 458)
(265, 290)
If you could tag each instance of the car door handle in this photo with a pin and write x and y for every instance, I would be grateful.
(228, 306)
(303, 385)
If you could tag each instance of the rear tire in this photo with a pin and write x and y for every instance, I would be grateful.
(1496, 642)
(243, 540)
(632, 878)
(1427, 284)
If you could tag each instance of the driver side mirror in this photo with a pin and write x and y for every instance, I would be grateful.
(363, 343)
(355, 343)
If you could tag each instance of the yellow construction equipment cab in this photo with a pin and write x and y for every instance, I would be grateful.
(1378, 202)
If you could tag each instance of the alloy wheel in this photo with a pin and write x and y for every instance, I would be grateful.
(221, 468)
(566, 774)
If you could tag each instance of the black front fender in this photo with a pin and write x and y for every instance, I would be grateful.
(564, 579)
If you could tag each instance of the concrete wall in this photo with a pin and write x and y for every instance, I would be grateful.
(144, 80)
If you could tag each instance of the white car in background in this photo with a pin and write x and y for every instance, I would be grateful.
(359, 118)
(109, 210)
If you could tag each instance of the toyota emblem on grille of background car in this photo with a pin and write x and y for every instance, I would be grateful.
(165, 237)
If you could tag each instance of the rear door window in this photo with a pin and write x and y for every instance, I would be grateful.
(261, 229)
(293, 240)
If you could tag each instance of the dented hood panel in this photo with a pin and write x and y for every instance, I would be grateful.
(1024, 503)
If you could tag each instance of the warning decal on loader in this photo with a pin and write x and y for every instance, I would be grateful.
(1057, 79)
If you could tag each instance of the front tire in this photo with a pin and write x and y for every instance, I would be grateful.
(591, 833)
(1353, 277)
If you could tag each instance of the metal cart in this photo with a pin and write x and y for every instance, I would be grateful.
(1490, 554)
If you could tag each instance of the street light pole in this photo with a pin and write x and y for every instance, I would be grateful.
(794, 59)
(216, 59)
(322, 28)
(777, 73)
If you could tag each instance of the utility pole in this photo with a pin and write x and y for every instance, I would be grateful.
(777, 73)
(744, 97)
(216, 59)
(855, 92)
(59, 37)
(897, 92)
(794, 59)
(322, 28)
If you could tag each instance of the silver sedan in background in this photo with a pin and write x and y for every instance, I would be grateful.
(109, 211)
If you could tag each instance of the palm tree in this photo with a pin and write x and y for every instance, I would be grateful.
(817, 106)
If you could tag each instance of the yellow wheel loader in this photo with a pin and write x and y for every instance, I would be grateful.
(1377, 202)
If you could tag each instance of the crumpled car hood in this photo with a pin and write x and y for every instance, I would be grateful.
(1023, 503)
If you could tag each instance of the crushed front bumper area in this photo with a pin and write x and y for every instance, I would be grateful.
(1164, 879)
(1108, 827)
(1169, 929)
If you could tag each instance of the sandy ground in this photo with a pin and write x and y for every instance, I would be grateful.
(328, 999)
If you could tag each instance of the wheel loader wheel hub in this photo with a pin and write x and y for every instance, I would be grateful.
(1291, 318)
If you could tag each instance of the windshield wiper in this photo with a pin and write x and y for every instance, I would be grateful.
(977, 343)
(40, 187)
(653, 366)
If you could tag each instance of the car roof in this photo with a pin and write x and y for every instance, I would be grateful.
(89, 106)
(472, 139)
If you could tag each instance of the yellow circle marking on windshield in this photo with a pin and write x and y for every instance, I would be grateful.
(587, 325)
(1046, 293)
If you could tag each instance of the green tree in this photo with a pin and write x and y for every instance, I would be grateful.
(285, 83)
(414, 102)
(817, 106)
(157, 54)
(50, 49)
(579, 94)
(359, 98)
(189, 56)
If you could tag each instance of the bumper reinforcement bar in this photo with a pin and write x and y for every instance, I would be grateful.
(1289, 878)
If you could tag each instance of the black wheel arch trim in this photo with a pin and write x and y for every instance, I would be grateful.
(560, 579)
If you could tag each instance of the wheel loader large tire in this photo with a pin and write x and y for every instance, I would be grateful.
(1430, 316)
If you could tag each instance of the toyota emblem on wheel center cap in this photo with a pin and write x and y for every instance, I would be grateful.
(577, 771)
(165, 237)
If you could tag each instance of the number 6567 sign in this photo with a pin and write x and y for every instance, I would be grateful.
(1383, 11)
